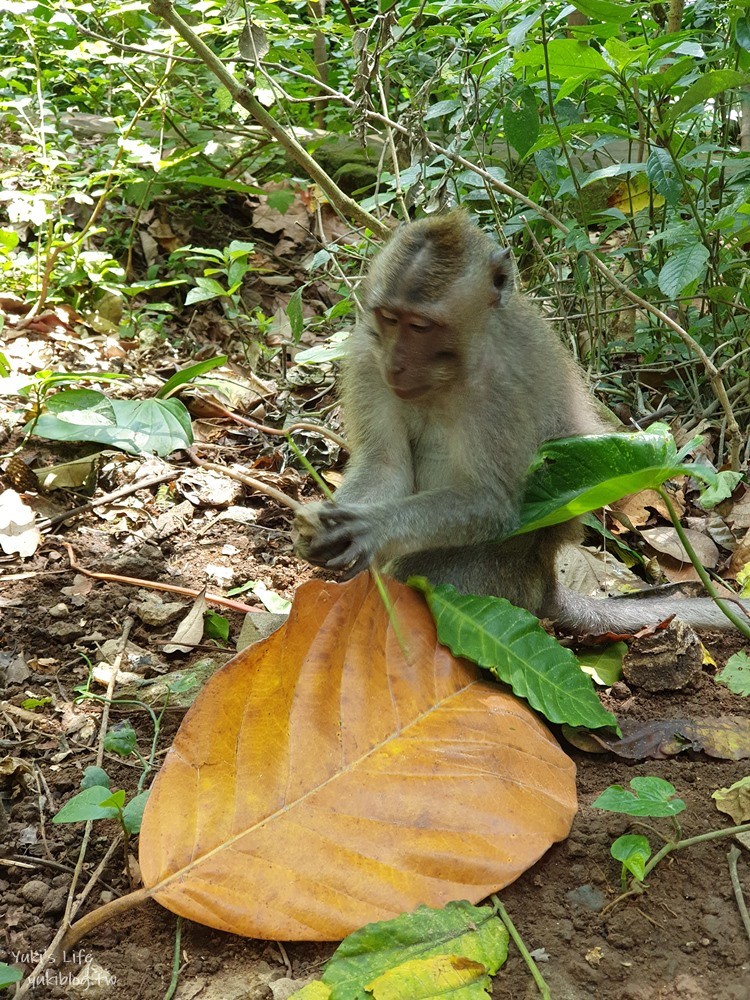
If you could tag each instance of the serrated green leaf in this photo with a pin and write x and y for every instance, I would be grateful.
(521, 120)
(649, 797)
(511, 643)
(571, 476)
(662, 174)
(683, 268)
(707, 86)
(459, 928)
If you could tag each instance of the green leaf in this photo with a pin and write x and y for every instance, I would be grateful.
(215, 626)
(571, 476)
(139, 427)
(205, 290)
(649, 797)
(682, 269)
(521, 120)
(9, 975)
(431, 979)
(132, 814)
(185, 375)
(281, 200)
(473, 932)
(662, 174)
(294, 315)
(8, 240)
(707, 86)
(604, 10)
(221, 183)
(94, 776)
(441, 108)
(313, 991)
(604, 665)
(87, 805)
(736, 674)
(511, 643)
(723, 488)
(121, 739)
(116, 800)
(742, 33)
(567, 58)
(633, 850)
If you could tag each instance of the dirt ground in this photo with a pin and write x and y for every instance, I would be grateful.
(682, 938)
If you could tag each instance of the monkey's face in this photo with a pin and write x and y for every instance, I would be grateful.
(417, 352)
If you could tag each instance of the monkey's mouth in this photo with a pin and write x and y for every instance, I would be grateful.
(412, 392)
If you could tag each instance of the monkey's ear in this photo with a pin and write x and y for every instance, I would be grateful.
(503, 274)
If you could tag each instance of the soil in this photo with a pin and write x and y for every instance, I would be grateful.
(681, 938)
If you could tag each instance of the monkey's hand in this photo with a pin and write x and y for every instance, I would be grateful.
(336, 536)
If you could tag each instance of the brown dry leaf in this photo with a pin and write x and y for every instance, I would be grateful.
(322, 780)
(639, 508)
(726, 737)
(666, 541)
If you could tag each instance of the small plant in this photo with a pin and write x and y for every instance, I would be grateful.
(653, 798)
(98, 801)
(159, 424)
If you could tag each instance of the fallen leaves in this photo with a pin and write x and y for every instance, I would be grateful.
(324, 780)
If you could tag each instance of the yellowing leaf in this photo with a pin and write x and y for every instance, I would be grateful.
(322, 780)
(633, 195)
(735, 800)
(424, 978)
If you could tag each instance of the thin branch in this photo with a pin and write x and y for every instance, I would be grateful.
(345, 205)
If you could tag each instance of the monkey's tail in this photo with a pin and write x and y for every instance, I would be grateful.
(622, 614)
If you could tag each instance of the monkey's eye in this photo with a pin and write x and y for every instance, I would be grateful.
(387, 317)
(420, 325)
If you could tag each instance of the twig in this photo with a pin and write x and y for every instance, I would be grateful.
(144, 484)
(525, 953)
(725, 606)
(168, 588)
(253, 484)
(732, 857)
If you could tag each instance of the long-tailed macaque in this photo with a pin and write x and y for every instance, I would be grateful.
(452, 382)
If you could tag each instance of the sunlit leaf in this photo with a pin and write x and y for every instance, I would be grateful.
(323, 779)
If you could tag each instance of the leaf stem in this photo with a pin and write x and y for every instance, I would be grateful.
(691, 842)
(525, 953)
(741, 623)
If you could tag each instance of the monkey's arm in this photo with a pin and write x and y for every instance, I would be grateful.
(352, 535)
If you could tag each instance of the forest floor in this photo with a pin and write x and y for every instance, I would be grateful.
(681, 938)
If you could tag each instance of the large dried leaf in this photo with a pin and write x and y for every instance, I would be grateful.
(323, 780)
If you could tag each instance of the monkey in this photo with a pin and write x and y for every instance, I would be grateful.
(451, 382)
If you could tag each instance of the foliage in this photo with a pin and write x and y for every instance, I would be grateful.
(511, 643)
(98, 802)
